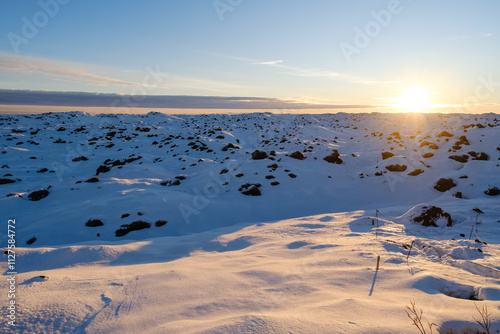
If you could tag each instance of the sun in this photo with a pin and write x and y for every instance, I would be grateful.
(414, 99)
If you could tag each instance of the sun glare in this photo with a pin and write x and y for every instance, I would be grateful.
(414, 99)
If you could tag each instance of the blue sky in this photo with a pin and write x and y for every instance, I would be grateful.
(281, 49)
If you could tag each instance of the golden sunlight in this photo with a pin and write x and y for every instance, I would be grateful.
(414, 99)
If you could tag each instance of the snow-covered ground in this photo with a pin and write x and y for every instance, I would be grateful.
(208, 257)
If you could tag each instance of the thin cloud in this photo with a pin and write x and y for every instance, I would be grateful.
(301, 72)
(274, 62)
(475, 36)
(462, 37)
(375, 82)
(55, 70)
(312, 73)
(304, 72)
(311, 100)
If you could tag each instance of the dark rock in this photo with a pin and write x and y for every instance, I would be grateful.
(479, 156)
(82, 158)
(250, 189)
(458, 194)
(462, 140)
(492, 191)
(298, 155)
(443, 184)
(135, 226)
(431, 145)
(387, 155)
(6, 181)
(124, 161)
(416, 172)
(160, 223)
(93, 179)
(102, 169)
(38, 195)
(253, 191)
(334, 158)
(273, 167)
(396, 168)
(431, 215)
(259, 155)
(169, 183)
(32, 240)
(94, 223)
(230, 145)
(445, 134)
(460, 158)
(424, 143)
(43, 170)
